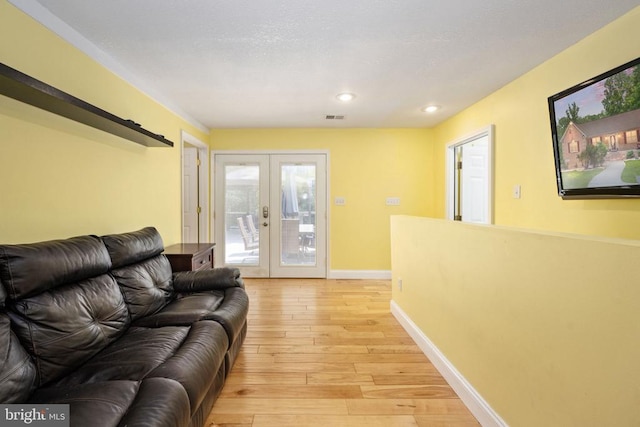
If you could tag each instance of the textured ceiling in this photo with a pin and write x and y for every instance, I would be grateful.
(280, 63)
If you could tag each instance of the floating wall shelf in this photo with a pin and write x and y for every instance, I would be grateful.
(24, 88)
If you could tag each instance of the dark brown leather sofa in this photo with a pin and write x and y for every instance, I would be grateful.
(102, 324)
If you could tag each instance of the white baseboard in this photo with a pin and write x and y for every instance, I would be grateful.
(485, 415)
(360, 274)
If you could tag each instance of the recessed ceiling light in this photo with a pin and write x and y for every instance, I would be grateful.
(431, 109)
(345, 97)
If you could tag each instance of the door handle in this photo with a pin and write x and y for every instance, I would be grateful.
(265, 212)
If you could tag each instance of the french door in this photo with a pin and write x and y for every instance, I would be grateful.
(270, 214)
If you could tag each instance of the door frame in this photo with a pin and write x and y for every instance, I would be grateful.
(487, 131)
(213, 153)
(203, 179)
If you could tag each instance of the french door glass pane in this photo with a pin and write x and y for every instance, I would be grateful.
(298, 214)
(242, 203)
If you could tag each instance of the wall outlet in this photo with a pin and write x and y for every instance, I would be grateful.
(340, 201)
(393, 201)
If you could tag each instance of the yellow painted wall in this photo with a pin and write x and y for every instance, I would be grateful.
(61, 178)
(366, 166)
(544, 326)
(523, 147)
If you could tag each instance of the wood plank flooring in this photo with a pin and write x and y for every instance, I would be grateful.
(329, 353)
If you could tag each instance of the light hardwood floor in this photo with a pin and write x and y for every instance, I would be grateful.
(329, 353)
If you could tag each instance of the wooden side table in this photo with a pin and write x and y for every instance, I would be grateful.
(190, 256)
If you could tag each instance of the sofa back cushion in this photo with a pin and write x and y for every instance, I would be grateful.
(147, 286)
(63, 304)
(130, 248)
(18, 375)
(143, 273)
(34, 268)
(3, 295)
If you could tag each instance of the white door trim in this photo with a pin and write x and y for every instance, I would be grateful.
(203, 154)
(487, 131)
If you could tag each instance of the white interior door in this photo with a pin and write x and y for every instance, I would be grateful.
(190, 206)
(474, 179)
(195, 190)
(270, 214)
(470, 178)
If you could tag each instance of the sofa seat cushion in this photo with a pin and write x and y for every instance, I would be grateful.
(155, 402)
(232, 314)
(199, 360)
(138, 352)
(184, 310)
(229, 307)
(190, 355)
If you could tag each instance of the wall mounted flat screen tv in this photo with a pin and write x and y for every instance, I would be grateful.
(595, 127)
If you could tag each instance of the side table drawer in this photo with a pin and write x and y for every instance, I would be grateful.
(190, 256)
(202, 261)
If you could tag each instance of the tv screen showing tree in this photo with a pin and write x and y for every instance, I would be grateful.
(596, 135)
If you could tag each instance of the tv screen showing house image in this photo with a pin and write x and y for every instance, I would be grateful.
(595, 127)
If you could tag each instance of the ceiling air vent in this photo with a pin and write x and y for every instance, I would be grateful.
(333, 117)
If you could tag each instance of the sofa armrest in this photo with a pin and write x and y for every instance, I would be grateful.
(207, 280)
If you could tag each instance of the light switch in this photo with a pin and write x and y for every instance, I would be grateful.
(516, 191)
(393, 201)
(340, 201)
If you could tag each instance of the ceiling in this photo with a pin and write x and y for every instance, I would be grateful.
(281, 63)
